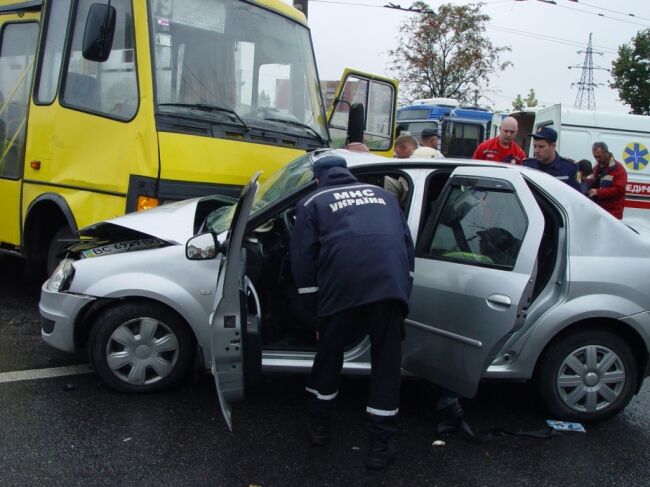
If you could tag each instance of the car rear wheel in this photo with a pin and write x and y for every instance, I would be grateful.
(587, 376)
(141, 347)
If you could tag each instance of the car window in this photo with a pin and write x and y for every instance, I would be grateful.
(479, 225)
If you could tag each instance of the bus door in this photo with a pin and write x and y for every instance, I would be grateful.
(18, 39)
(370, 99)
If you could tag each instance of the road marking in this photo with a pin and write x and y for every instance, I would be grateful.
(44, 373)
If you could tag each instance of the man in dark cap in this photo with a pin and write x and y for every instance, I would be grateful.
(549, 161)
(428, 142)
(352, 258)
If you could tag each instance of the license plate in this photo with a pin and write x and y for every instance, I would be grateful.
(116, 248)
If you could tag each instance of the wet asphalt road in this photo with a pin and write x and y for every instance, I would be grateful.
(74, 431)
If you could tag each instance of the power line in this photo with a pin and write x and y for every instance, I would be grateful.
(547, 38)
(603, 15)
(613, 11)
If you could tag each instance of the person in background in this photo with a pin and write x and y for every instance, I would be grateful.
(428, 144)
(405, 146)
(352, 259)
(609, 180)
(503, 147)
(549, 161)
(584, 175)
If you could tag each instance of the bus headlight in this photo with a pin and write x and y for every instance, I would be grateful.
(61, 278)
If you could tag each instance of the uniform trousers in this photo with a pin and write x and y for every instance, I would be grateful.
(383, 321)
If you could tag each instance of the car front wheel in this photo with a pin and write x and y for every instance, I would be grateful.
(587, 376)
(140, 347)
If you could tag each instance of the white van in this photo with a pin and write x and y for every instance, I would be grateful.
(628, 138)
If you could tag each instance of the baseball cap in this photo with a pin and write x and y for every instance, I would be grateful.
(326, 163)
(545, 133)
(426, 133)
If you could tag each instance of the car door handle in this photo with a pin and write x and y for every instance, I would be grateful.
(499, 301)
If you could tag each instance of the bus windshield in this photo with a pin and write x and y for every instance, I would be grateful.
(216, 57)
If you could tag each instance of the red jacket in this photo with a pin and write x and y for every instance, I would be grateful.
(610, 182)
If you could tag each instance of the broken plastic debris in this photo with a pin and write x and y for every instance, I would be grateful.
(127, 439)
(438, 443)
(565, 426)
(356, 448)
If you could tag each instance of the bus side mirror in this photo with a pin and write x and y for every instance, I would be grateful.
(356, 123)
(99, 32)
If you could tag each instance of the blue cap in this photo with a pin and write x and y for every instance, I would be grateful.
(326, 163)
(545, 133)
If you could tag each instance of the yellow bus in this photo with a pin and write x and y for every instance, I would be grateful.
(113, 106)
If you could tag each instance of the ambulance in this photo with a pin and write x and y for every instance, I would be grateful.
(628, 138)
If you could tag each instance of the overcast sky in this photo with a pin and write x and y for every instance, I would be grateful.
(358, 33)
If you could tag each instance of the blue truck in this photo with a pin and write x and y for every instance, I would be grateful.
(460, 129)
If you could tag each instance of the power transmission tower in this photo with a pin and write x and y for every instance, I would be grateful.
(585, 99)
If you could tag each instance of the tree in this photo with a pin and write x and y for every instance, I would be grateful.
(521, 103)
(445, 53)
(264, 99)
(631, 73)
(530, 100)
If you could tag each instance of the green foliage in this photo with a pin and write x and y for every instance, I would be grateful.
(519, 103)
(528, 102)
(446, 53)
(631, 73)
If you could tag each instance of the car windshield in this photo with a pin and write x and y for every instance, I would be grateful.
(236, 62)
(287, 180)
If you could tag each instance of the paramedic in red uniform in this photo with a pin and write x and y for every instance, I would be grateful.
(609, 181)
(503, 147)
(352, 258)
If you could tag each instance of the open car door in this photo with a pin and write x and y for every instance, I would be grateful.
(364, 110)
(475, 268)
(227, 330)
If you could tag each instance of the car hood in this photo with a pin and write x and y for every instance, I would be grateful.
(173, 223)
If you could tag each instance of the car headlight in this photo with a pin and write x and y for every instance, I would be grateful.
(61, 277)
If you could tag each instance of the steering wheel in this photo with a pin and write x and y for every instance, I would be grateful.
(288, 220)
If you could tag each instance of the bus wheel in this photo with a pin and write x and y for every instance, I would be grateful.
(55, 247)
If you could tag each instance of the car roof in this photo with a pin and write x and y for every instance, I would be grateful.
(593, 231)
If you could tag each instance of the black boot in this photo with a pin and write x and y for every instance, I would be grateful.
(381, 450)
(319, 430)
(449, 418)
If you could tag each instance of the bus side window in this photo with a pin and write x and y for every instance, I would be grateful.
(108, 88)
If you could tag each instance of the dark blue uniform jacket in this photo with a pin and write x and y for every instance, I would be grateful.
(560, 168)
(350, 246)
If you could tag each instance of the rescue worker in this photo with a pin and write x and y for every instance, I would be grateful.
(549, 161)
(503, 147)
(609, 180)
(352, 258)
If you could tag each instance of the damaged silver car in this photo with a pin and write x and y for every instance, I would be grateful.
(517, 277)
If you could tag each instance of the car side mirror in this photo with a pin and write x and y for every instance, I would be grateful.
(202, 247)
(99, 32)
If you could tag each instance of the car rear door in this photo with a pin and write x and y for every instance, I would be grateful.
(365, 98)
(475, 268)
(227, 331)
